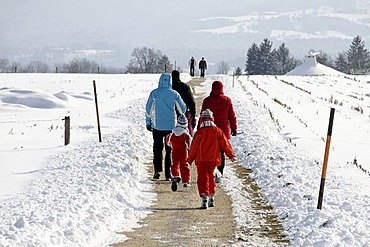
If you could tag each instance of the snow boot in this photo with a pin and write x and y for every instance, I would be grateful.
(204, 204)
(174, 183)
(156, 175)
(211, 201)
(186, 185)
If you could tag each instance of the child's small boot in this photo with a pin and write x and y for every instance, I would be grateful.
(211, 201)
(204, 204)
(174, 183)
(186, 185)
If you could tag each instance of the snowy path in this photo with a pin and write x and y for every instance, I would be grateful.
(177, 220)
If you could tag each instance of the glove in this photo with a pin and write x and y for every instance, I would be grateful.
(149, 127)
(233, 132)
(193, 122)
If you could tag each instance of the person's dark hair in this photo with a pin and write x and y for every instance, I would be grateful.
(175, 75)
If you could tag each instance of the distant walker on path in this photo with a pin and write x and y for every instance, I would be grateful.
(202, 67)
(192, 64)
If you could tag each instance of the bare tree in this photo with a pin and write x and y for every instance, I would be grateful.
(148, 60)
(36, 67)
(80, 65)
(223, 68)
(4, 65)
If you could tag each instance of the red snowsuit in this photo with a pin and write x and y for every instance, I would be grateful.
(179, 140)
(205, 150)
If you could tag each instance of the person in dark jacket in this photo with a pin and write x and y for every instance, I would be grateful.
(187, 96)
(202, 67)
(224, 116)
(161, 119)
(192, 64)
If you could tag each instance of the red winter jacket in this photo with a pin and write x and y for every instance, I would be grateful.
(207, 143)
(222, 108)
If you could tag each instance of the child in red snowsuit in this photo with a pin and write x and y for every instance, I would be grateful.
(179, 140)
(205, 149)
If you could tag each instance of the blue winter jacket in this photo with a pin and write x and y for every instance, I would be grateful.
(160, 107)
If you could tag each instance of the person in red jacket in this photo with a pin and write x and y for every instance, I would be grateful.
(205, 149)
(224, 116)
(179, 140)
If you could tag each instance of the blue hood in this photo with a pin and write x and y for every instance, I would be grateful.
(165, 81)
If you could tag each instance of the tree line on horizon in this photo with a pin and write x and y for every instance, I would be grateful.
(143, 60)
(261, 60)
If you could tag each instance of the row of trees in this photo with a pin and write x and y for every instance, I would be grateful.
(263, 60)
(76, 65)
(354, 61)
(144, 60)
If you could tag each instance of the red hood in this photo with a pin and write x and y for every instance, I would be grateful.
(217, 87)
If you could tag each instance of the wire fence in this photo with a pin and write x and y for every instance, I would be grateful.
(36, 129)
(31, 121)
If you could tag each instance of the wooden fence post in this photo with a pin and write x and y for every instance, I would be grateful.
(67, 130)
(326, 156)
(97, 110)
(233, 77)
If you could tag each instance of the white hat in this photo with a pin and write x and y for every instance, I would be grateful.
(207, 113)
(182, 121)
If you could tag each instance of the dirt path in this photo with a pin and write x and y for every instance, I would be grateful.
(177, 220)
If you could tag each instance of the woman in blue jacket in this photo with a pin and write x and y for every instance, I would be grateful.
(161, 119)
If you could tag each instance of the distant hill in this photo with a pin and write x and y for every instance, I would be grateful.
(218, 30)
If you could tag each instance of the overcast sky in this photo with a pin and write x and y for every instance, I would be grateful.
(29, 27)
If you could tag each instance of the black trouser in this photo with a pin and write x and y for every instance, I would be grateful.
(222, 166)
(159, 139)
(191, 71)
(202, 72)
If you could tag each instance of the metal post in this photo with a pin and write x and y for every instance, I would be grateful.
(97, 110)
(326, 157)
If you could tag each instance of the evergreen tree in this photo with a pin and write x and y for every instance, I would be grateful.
(262, 60)
(341, 63)
(284, 61)
(357, 57)
(267, 58)
(253, 60)
(325, 59)
(238, 71)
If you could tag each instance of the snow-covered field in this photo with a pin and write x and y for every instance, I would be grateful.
(84, 193)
